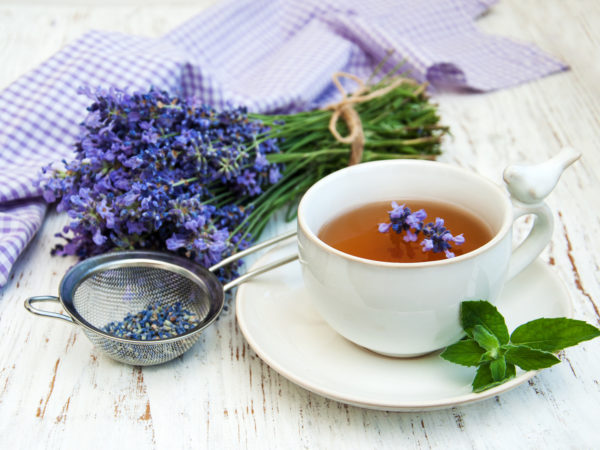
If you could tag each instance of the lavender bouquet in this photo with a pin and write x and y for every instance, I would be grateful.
(153, 171)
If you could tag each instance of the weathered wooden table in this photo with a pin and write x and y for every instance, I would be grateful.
(57, 391)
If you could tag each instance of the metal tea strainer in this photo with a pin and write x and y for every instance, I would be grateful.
(105, 288)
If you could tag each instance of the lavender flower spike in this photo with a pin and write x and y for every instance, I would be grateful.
(152, 171)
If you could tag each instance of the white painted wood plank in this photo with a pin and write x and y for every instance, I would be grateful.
(54, 385)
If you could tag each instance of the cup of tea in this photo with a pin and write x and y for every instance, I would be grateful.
(400, 302)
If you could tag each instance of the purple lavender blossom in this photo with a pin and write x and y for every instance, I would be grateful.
(153, 171)
(105, 212)
(384, 227)
(261, 161)
(439, 239)
(436, 237)
(274, 175)
(175, 242)
(98, 238)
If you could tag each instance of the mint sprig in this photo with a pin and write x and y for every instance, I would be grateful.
(496, 354)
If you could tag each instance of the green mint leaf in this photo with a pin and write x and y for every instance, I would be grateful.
(511, 371)
(486, 339)
(530, 346)
(466, 353)
(552, 335)
(483, 313)
(484, 379)
(498, 369)
(528, 358)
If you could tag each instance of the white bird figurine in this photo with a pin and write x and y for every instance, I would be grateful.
(532, 183)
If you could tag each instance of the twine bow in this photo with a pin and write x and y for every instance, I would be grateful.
(345, 109)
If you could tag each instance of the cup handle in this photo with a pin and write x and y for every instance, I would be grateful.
(539, 236)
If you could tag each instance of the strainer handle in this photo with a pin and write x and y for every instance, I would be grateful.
(40, 312)
(253, 249)
(262, 269)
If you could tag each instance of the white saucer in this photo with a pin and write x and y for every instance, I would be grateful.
(279, 322)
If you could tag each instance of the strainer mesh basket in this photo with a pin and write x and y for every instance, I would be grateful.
(106, 288)
(108, 295)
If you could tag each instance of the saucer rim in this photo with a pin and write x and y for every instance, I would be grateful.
(332, 394)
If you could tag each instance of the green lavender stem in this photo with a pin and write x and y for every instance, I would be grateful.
(401, 124)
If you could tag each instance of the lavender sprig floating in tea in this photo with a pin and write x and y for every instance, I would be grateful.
(437, 238)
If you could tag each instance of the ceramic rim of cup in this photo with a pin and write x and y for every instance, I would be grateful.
(507, 220)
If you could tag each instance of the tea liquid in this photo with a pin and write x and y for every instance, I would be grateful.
(356, 232)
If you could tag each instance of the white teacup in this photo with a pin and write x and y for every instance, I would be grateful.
(410, 309)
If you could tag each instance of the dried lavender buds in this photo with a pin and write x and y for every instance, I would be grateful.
(154, 322)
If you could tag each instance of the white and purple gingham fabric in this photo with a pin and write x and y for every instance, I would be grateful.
(270, 55)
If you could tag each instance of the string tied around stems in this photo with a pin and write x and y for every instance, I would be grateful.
(345, 109)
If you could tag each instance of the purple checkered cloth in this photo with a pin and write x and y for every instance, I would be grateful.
(270, 55)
